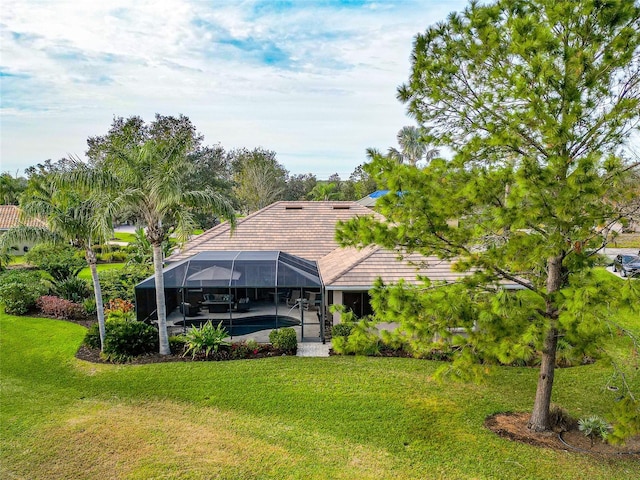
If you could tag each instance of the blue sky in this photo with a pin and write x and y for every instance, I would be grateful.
(314, 81)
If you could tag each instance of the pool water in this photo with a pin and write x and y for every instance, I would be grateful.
(247, 325)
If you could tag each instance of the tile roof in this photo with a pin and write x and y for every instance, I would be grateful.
(305, 229)
(10, 217)
(352, 268)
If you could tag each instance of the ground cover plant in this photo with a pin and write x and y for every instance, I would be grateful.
(280, 417)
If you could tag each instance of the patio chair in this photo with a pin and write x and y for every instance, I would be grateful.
(294, 297)
(243, 305)
(189, 310)
(313, 302)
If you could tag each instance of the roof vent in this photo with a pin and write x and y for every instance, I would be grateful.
(293, 207)
(341, 207)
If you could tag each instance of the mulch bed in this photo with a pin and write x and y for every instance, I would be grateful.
(93, 355)
(514, 427)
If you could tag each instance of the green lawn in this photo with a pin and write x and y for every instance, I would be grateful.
(124, 237)
(281, 418)
(85, 273)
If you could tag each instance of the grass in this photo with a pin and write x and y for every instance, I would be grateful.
(124, 237)
(626, 240)
(282, 418)
(85, 273)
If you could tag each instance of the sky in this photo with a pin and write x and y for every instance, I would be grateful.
(313, 80)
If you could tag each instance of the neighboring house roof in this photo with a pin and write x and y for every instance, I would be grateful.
(307, 229)
(304, 229)
(10, 217)
(371, 199)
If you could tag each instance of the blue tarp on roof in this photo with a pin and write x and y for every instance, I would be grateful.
(378, 193)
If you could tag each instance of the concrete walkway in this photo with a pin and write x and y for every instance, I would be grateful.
(313, 349)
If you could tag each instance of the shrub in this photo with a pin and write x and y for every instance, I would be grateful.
(112, 257)
(284, 339)
(118, 306)
(20, 289)
(362, 340)
(252, 344)
(241, 350)
(60, 308)
(206, 339)
(341, 330)
(120, 283)
(594, 427)
(59, 261)
(72, 288)
(124, 339)
(249, 349)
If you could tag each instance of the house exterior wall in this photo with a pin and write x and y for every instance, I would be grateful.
(337, 300)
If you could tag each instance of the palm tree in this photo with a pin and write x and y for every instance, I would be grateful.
(10, 188)
(413, 148)
(324, 191)
(153, 183)
(72, 216)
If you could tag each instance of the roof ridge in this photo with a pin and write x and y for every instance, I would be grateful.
(211, 234)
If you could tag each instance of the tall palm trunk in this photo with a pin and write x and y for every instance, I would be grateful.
(539, 421)
(161, 307)
(92, 261)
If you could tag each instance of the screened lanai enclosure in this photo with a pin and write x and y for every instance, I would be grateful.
(250, 292)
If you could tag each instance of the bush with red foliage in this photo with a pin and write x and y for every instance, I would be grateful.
(60, 308)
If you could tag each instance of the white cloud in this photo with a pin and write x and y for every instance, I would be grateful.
(314, 83)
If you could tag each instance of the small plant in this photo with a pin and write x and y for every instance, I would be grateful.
(72, 288)
(240, 350)
(89, 305)
(177, 344)
(560, 420)
(60, 308)
(119, 305)
(284, 340)
(341, 330)
(206, 339)
(594, 427)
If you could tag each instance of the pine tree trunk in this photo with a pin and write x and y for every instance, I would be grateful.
(539, 421)
(161, 308)
(97, 291)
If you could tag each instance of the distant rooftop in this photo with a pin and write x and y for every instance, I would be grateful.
(10, 217)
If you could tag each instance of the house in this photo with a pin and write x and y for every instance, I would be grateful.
(10, 217)
(284, 261)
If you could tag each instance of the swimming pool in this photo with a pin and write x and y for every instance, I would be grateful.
(246, 325)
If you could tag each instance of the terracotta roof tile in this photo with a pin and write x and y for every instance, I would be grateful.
(305, 229)
(350, 268)
(10, 217)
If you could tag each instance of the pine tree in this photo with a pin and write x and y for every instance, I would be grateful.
(535, 99)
